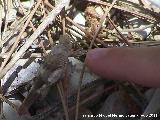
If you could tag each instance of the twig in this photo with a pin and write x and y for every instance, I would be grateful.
(70, 28)
(1, 103)
(85, 31)
(91, 44)
(48, 20)
(41, 43)
(50, 37)
(48, 4)
(42, 9)
(5, 17)
(10, 80)
(63, 21)
(20, 35)
(123, 38)
(64, 93)
(8, 102)
(145, 4)
(59, 86)
(79, 27)
(140, 15)
(32, 26)
(78, 93)
(138, 29)
(17, 27)
(0, 26)
(93, 96)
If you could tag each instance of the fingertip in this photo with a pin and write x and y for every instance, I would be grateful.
(96, 61)
(106, 62)
(93, 56)
(136, 65)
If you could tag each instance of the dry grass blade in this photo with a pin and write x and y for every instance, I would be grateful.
(20, 35)
(63, 21)
(41, 43)
(48, 20)
(60, 90)
(8, 102)
(138, 14)
(61, 93)
(17, 27)
(1, 103)
(5, 17)
(91, 44)
(123, 38)
(50, 38)
(138, 29)
(92, 97)
(0, 24)
(85, 31)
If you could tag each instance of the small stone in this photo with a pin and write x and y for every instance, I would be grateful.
(114, 105)
(149, 93)
(157, 37)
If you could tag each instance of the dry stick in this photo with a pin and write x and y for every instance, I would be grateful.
(5, 28)
(93, 96)
(79, 27)
(32, 26)
(92, 42)
(65, 107)
(69, 30)
(43, 48)
(63, 21)
(16, 28)
(138, 29)
(50, 37)
(123, 38)
(0, 26)
(8, 102)
(141, 2)
(59, 86)
(2, 98)
(20, 35)
(75, 31)
(65, 93)
(1, 103)
(141, 15)
(5, 17)
(145, 4)
(48, 20)
(85, 31)
(43, 10)
(78, 93)
(41, 43)
(48, 4)
(49, 31)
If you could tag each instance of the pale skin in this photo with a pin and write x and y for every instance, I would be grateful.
(137, 65)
